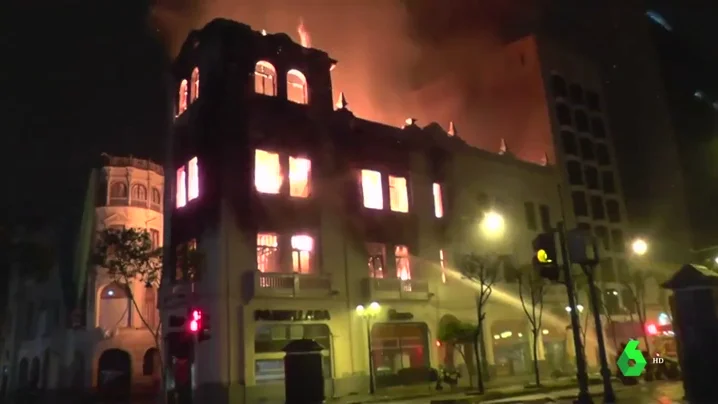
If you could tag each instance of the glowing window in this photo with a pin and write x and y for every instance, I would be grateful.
(438, 200)
(299, 171)
(398, 194)
(302, 252)
(371, 189)
(265, 78)
(267, 252)
(194, 87)
(193, 184)
(297, 87)
(181, 187)
(377, 258)
(182, 106)
(267, 172)
(403, 265)
(442, 263)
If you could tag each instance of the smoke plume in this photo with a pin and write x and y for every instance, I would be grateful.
(397, 58)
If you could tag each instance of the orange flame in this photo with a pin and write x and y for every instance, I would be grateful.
(304, 37)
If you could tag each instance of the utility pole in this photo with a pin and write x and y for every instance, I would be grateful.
(584, 397)
(608, 394)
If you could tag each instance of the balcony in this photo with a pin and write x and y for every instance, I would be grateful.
(277, 284)
(396, 289)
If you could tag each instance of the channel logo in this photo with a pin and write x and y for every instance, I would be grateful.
(631, 353)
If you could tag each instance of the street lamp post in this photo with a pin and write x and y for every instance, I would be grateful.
(367, 313)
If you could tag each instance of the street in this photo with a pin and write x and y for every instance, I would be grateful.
(653, 393)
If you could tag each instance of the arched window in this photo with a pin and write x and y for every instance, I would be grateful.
(265, 78)
(182, 106)
(139, 192)
(156, 196)
(194, 88)
(114, 307)
(118, 190)
(23, 373)
(297, 87)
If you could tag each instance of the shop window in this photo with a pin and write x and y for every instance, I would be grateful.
(270, 340)
(397, 346)
(376, 254)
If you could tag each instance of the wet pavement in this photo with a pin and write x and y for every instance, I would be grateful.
(649, 393)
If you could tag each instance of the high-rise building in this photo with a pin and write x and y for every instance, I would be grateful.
(78, 329)
(688, 72)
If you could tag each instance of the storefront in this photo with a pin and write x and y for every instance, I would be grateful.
(400, 352)
(274, 329)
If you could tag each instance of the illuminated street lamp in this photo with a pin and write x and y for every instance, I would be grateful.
(639, 247)
(579, 307)
(493, 224)
(368, 313)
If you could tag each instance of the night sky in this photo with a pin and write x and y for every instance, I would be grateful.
(84, 77)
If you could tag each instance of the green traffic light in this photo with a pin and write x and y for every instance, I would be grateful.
(542, 257)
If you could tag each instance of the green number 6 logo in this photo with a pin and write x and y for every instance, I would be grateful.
(631, 353)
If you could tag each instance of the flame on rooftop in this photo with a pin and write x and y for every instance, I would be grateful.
(304, 37)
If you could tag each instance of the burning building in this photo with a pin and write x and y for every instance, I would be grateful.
(302, 212)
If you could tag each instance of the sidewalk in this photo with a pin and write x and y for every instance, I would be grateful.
(498, 389)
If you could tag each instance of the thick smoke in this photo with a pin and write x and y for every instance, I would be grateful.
(397, 58)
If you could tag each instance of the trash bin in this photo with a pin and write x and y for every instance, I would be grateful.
(303, 375)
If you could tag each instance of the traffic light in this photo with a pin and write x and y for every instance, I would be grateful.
(199, 324)
(545, 259)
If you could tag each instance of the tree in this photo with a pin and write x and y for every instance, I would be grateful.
(635, 285)
(532, 290)
(457, 334)
(483, 273)
(129, 257)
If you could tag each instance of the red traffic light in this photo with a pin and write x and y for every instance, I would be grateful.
(652, 329)
(195, 319)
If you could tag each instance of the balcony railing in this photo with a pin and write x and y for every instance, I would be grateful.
(396, 289)
(273, 284)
